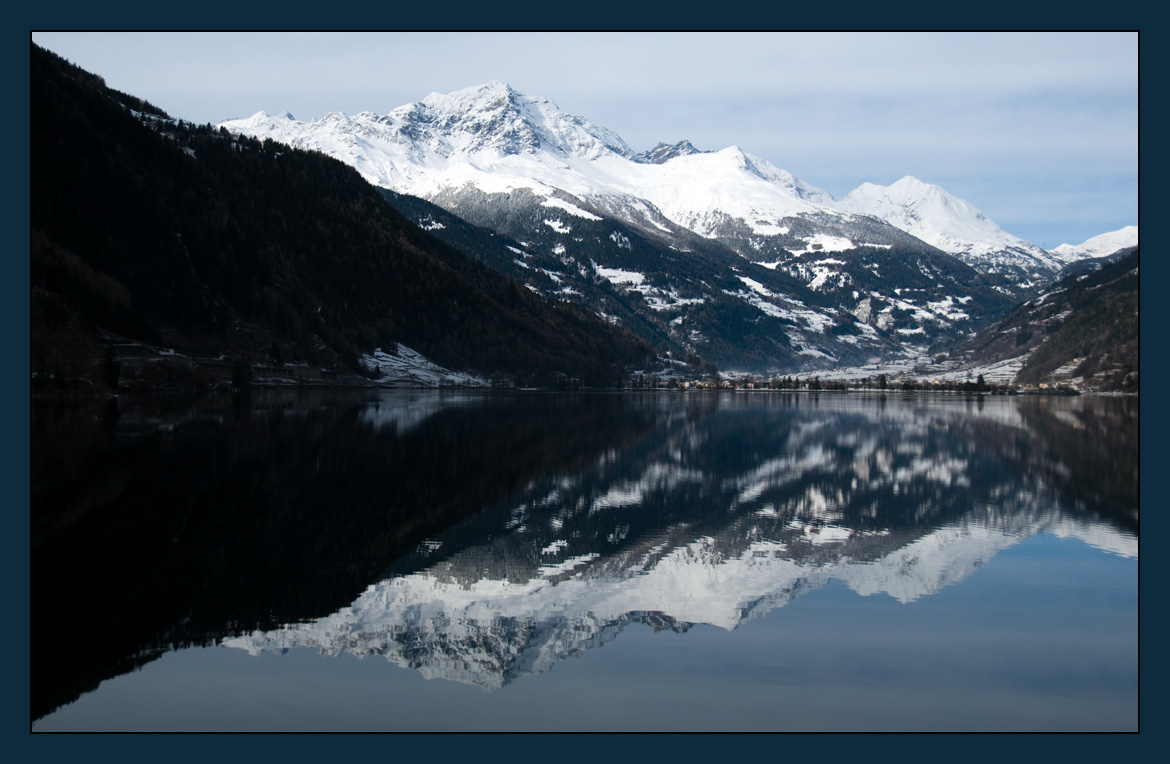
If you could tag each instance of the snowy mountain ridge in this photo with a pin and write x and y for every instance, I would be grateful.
(951, 224)
(1101, 245)
(498, 140)
(718, 255)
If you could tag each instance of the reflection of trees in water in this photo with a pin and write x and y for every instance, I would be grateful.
(165, 523)
(753, 506)
(782, 471)
(1089, 454)
(166, 534)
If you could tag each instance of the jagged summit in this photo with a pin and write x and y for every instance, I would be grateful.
(494, 117)
(498, 140)
(487, 90)
(665, 152)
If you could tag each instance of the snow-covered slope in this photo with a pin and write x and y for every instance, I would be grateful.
(405, 367)
(1099, 246)
(717, 254)
(952, 225)
(497, 140)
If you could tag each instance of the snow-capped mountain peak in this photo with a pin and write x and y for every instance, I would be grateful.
(494, 117)
(504, 161)
(955, 226)
(923, 209)
(1100, 246)
(436, 146)
(499, 140)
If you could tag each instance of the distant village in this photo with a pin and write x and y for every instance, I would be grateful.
(135, 367)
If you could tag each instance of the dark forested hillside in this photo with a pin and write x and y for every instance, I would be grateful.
(152, 229)
(1085, 326)
(1095, 326)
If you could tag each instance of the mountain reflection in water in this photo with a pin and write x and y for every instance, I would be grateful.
(731, 507)
(480, 538)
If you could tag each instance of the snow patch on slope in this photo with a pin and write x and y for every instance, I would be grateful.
(408, 368)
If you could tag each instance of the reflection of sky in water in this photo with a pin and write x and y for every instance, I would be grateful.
(1043, 638)
(490, 631)
(838, 562)
(804, 497)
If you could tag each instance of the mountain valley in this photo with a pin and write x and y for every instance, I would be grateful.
(710, 254)
(489, 233)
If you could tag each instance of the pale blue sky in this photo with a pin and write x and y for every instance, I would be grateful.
(1038, 130)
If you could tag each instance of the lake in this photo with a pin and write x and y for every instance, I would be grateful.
(698, 561)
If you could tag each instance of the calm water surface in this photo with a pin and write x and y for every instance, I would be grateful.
(458, 561)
